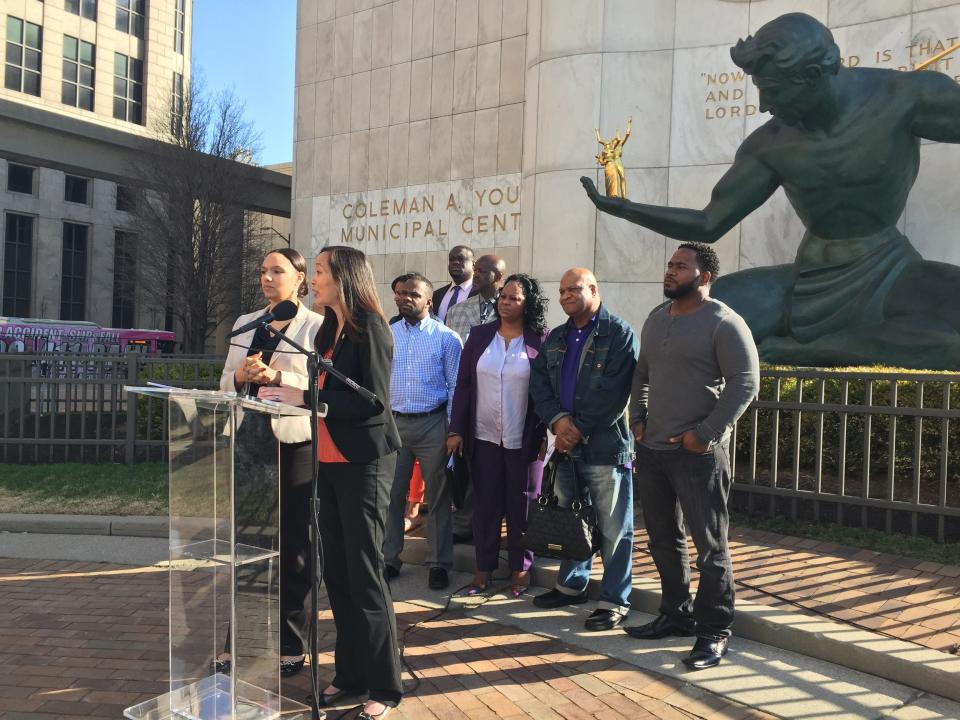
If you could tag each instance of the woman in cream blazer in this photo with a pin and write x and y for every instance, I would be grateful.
(257, 358)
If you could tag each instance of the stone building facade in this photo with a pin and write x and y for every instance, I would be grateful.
(121, 64)
(413, 116)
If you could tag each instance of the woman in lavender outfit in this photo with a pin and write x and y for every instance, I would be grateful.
(493, 424)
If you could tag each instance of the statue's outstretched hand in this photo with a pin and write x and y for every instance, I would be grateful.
(591, 189)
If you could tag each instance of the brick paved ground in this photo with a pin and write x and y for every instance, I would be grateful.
(908, 599)
(89, 639)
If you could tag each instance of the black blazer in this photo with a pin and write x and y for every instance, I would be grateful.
(438, 297)
(359, 431)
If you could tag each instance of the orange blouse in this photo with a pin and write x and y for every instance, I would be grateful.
(327, 451)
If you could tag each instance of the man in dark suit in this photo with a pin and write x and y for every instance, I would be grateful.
(460, 267)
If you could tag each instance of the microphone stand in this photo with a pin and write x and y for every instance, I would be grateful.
(314, 362)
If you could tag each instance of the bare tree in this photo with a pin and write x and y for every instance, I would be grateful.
(195, 245)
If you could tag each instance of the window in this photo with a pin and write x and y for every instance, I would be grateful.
(17, 265)
(73, 292)
(86, 8)
(23, 56)
(124, 279)
(179, 23)
(176, 110)
(130, 16)
(126, 198)
(20, 178)
(127, 88)
(79, 59)
(76, 189)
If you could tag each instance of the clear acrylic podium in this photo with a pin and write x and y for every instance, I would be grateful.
(224, 566)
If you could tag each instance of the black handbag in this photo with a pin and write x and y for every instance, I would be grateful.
(458, 478)
(560, 532)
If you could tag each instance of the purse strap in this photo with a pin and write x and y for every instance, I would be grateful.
(548, 495)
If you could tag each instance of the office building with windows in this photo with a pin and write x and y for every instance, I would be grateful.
(80, 78)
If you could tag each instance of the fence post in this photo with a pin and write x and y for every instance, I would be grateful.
(131, 428)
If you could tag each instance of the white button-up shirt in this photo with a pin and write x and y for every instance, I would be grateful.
(465, 288)
(503, 382)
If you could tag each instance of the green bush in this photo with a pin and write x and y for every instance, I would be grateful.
(151, 415)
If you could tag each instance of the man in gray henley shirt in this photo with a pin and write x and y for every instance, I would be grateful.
(698, 371)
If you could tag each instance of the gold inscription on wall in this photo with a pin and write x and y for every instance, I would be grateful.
(725, 96)
(430, 215)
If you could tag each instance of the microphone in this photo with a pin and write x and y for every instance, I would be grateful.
(285, 310)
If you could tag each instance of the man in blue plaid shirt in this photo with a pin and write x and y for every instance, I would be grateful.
(426, 356)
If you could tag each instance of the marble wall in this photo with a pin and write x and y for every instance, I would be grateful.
(399, 101)
(394, 96)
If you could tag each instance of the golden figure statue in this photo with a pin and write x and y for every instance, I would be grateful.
(609, 158)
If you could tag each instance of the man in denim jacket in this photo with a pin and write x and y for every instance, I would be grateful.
(580, 384)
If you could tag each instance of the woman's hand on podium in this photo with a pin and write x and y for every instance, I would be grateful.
(287, 395)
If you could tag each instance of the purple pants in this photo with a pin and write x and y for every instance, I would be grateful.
(503, 485)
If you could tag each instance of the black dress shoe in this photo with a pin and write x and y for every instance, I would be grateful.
(663, 626)
(290, 667)
(391, 571)
(438, 579)
(706, 653)
(327, 699)
(462, 539)
(604, 619)
(554, 599)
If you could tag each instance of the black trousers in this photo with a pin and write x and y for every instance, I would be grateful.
(676, 485)
(352, 511)
(296, 468)
(254, 464)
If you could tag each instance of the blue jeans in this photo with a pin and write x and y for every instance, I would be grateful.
(611, 492)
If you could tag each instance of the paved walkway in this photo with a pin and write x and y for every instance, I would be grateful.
(83, 639)
(90, 639)
(911, 600)
(908, 599)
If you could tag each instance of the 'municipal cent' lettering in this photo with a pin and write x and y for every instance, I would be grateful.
(490, 223)
(396, 231)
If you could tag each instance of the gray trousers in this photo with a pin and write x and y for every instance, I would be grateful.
(676, 485)
(424, 439)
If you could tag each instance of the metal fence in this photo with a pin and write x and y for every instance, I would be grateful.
(73, 408)
(870, 449)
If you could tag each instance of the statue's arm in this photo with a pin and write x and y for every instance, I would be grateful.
(937, 112)
(745, 186)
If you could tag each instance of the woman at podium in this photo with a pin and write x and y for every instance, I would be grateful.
(357, 455)
(255, 361)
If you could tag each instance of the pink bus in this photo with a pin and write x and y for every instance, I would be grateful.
(37, 335)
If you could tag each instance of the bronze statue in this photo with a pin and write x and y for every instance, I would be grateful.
(844, 143)
(610, 159)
